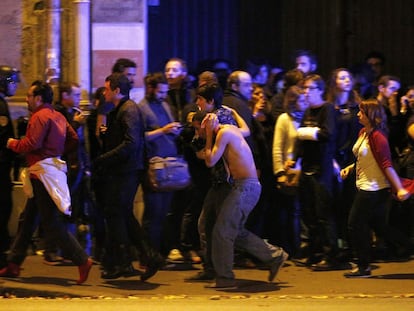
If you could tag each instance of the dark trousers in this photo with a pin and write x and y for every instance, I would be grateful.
(42, 205)
(402, 213)
(122, 227)
(369, 211)
(182, 218)
(5, 206)
(157, 206)
(286, 233)
(318, 215)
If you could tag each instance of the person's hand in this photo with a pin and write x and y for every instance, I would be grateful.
(289, 164)
(172, 128)
(102, 129)
(80, 118)
(345, 172)
(190, 116)
(281, 179)
(210, 122)
(403, 194)
(9, 141)
(404, 104)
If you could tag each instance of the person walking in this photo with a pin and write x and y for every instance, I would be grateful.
(229, 230)
(375, 176)
(48, 136)
(122, 165)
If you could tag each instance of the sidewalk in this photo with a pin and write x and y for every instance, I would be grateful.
(394, 279)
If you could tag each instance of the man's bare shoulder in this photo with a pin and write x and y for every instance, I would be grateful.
(229, 128)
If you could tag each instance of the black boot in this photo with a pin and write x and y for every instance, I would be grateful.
(155, 263)
(115, 272)
(121, 267)
(154, 260)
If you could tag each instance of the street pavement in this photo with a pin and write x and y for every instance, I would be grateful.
(392, 284)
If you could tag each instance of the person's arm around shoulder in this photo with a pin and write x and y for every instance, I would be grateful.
(244, 129)
(213, 152)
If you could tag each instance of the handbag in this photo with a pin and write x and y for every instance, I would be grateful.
(291, 185)
(405, 159)
(168, 174)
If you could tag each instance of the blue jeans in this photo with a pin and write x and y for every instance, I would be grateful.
(211, 207)
(229, 230)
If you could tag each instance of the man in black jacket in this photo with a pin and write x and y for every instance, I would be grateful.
(122, 164)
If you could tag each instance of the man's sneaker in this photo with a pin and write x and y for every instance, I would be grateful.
(52, 259)
(84, 271)
(306, 262)
(175, 256)
(358, 272)
(154, 264)
(115, 272)
(276, 264)
(202, 276)
(223, 284)
(330, 265)
(12, 270)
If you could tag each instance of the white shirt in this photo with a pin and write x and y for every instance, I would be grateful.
(284, 139)
(369, 176)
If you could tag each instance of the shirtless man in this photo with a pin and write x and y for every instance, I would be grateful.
(227, 142)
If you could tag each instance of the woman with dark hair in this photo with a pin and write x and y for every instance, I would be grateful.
(289, 78)
(375, 176)
(341, 95)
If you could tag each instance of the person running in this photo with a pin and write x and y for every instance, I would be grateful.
(229, 230)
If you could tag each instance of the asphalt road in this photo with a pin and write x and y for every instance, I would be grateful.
(392, 284)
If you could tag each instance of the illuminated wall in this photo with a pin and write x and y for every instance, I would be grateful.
(118, 31)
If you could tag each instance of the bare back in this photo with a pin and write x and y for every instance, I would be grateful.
(236, 153)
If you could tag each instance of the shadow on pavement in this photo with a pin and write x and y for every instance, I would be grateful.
(395, 276)
(27, 293)
(131, 284)
(253, 287)
(46, 280)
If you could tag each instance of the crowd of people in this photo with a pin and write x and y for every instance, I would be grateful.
(284, 165)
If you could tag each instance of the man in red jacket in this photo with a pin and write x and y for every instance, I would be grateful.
(48, 136)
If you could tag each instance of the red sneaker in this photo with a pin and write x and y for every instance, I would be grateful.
(12, 270)
(84, 271)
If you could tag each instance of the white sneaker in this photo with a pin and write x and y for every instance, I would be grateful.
(175, 255)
